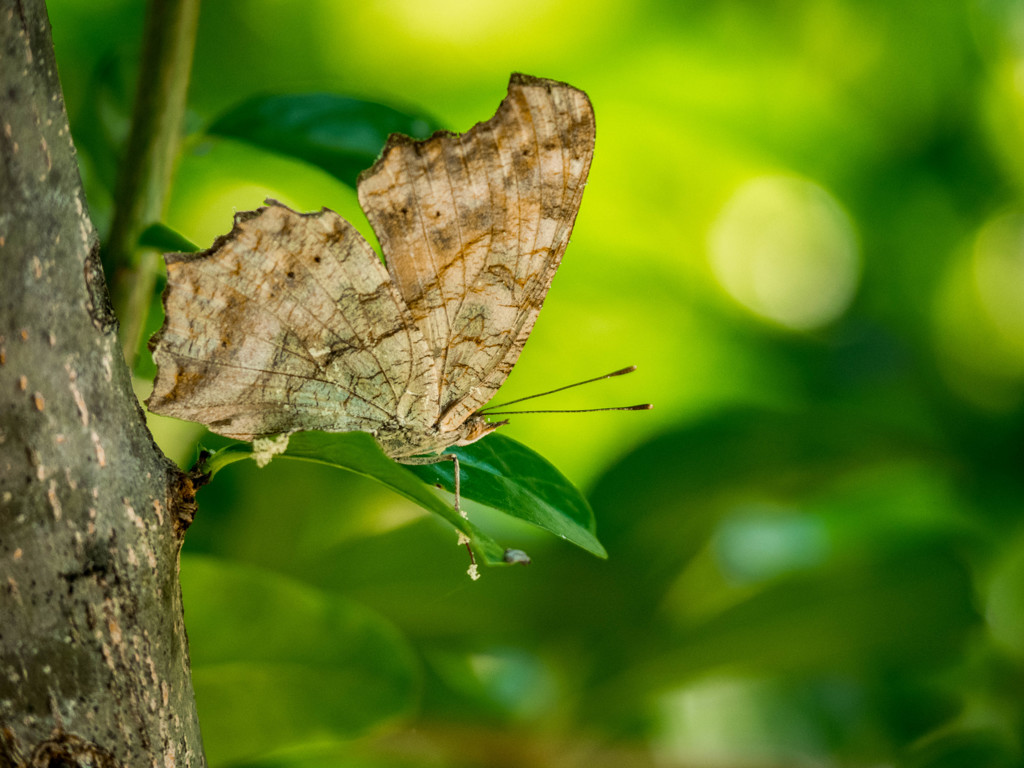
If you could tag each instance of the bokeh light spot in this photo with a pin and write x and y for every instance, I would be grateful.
(459, 22)
(731, 720)
(979, 316)
(786, 250)
(1004, 608)
(999, 276)
(759, 544)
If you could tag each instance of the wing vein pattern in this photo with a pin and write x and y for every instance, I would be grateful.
(463, 264)
(303, 329)
(291, 322)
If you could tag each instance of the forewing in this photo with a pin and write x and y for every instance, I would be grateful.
(473, 227)
(289, 322)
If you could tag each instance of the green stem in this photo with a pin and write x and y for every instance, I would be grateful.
(148, 163)
(229, 454)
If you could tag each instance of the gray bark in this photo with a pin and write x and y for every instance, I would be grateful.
(93, 655)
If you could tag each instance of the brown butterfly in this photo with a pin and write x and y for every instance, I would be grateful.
(291, 322)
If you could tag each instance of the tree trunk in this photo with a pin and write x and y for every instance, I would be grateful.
(93, 655)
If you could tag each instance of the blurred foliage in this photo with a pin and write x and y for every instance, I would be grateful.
(805, 224)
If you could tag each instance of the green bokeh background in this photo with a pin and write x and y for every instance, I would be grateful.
(804, 224)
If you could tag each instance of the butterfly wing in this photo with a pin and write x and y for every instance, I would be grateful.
(289, 322)
(473, 227)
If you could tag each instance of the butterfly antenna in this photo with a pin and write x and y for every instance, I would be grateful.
(641, 407)
(620, 372)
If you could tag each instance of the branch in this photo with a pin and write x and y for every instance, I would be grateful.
(93, 655)
(148, 163)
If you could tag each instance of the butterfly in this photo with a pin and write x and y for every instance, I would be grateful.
(292, 322)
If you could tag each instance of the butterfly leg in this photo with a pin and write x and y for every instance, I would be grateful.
(463, 539)
(421, 460)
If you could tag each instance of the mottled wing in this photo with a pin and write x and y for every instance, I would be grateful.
(289, 322)
(473, 227)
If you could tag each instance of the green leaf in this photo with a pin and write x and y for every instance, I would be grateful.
(145, 368)
(278, 663)
(341, 135)
(504, 474)
(358, 452)
(164, 239)
(497, 472)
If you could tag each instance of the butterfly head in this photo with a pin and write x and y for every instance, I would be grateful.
(475, 427)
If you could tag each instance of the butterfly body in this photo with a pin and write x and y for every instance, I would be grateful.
(291, 322)
(408, 441)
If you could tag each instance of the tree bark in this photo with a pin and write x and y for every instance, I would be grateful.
(93, 654)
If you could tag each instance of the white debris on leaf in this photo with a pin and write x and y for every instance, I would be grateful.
(465, 541)
(266, 448)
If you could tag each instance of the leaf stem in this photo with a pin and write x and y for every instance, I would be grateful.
(229, 454)
(148, 163)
